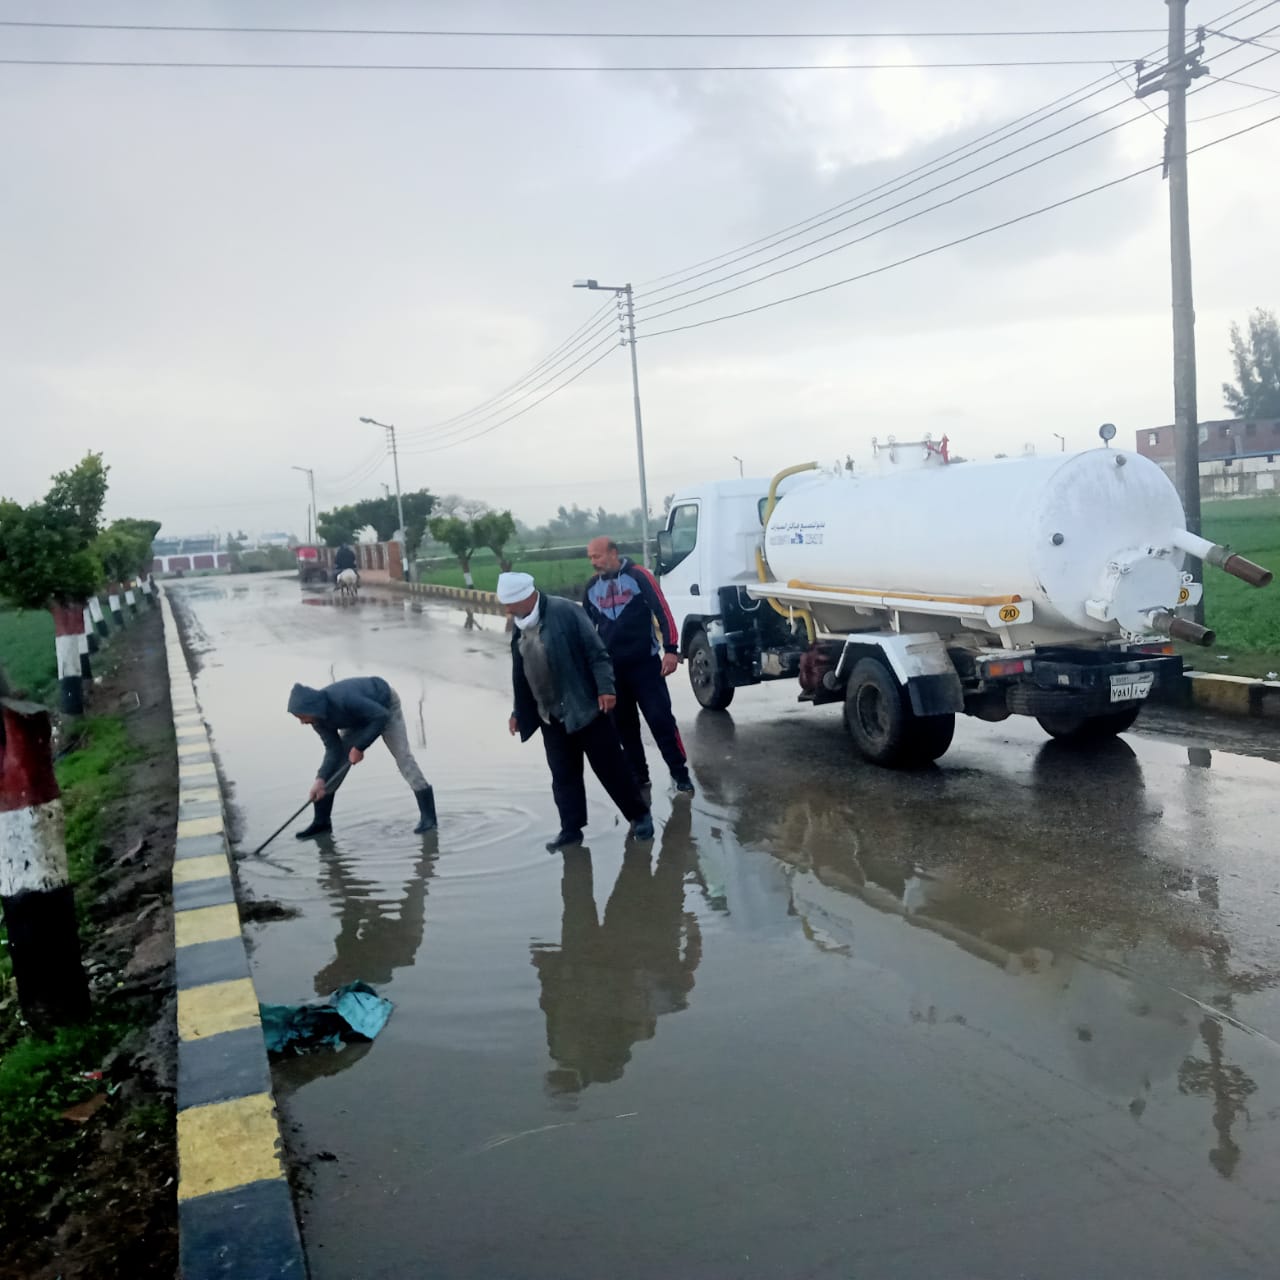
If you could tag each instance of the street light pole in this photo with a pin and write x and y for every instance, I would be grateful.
(395, 462)
(623, 293)
(313, 517)
(738, 460)
(1062, 442)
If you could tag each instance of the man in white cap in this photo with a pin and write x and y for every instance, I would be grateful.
(563, 684)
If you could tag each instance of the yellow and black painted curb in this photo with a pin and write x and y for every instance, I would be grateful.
(485, 600)
(235, 1212)
(1233, 695)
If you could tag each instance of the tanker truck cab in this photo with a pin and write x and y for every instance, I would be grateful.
(1039, 586)
(706, 563)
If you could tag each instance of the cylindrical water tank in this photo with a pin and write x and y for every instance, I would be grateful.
(1085, 537)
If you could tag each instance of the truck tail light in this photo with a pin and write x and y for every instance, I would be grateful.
(1015, 667)
(1161, 648)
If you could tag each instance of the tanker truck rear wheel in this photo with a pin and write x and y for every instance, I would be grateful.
(1071, 726)
(709, 685)
(883, 727)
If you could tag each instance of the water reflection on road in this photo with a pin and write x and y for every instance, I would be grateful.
(1015, 1015)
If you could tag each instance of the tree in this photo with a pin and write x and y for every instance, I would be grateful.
(1256, 391)
(460, 537)
(76, 497)
(494, 530)
(43, 560)
(124, 548)
(342, 524)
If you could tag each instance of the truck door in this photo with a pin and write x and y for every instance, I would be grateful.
(680, 566)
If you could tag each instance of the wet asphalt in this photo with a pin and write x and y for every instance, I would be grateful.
(1016, 1016)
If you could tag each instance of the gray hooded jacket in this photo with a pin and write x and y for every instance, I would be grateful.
(361, 706)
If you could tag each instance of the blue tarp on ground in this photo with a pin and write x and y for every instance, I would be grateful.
(353, 1012)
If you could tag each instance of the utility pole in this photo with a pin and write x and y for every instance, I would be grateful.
(626, 305)
(395, 462)
(312, 511)
(1181, 67)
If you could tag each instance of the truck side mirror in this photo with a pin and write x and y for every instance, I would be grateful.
(665, 556)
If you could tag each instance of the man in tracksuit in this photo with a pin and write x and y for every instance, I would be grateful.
(350, 715)
(562, 683)
(626, 606)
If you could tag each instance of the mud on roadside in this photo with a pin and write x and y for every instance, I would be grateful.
(99, 1194)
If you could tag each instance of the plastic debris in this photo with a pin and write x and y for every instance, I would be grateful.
(353, 1012)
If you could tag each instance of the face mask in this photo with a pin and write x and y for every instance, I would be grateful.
(528, 620)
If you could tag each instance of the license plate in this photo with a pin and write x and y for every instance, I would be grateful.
(1132, 688)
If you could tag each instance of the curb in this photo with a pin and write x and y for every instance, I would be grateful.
(1236, 696)
(486, 600)
(235, 1212)
(1233, 695)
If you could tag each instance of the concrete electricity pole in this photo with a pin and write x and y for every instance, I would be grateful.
(1181, 67)
(623, 293)
(395, 462)
(314, 514)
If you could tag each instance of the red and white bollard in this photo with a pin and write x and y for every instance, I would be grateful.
(37, 899)
(68, 629)
(90, 632)
(99, 619)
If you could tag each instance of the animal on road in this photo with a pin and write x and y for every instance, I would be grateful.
(348, 586)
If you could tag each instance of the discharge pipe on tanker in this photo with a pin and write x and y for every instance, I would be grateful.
(1225, 559)
(1164, 623)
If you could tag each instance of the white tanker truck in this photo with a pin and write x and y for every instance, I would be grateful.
(1040, 586)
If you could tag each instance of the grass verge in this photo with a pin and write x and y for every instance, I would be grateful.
(26, 649)
(1247, 620)
(550, 574)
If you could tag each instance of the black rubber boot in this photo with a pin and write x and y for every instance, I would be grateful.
(567, 839)
(320, 820)
(427, 808)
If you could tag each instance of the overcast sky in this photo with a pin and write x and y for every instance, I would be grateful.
(209, 275)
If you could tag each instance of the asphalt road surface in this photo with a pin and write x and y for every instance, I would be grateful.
(1016, 1016)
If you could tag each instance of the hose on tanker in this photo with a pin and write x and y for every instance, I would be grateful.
(762, 568)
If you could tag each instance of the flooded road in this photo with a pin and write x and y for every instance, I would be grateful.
(1015, 1016)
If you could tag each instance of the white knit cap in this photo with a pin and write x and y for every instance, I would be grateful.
(514, 587)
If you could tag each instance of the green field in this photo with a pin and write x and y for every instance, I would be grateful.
(1246, 619)
(551, 574)
(26, 649)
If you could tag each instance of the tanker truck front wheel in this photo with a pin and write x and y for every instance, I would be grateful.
(885, 730)
(707, 680)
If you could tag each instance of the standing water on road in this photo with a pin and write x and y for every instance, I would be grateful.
(1015, 1015)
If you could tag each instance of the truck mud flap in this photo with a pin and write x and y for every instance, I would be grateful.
(935, 695)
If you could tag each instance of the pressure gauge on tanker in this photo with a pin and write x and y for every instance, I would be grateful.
(1108, 433)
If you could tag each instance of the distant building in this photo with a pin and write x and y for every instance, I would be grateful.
(201, 554)
(1238, 457)
(274, 540)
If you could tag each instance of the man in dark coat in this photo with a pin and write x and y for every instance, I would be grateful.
(350, 715)
(563, 685)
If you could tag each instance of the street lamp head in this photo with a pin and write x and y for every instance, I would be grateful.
(370, 421)
(586, 284)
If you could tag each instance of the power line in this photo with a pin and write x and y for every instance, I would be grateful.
(428, 445)
(910, 217)
(880, 213)
(503, 400)
(908, 201)
(959, 240)
(992, 138)
(574, 35)
(521, 412)
(547, 67)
